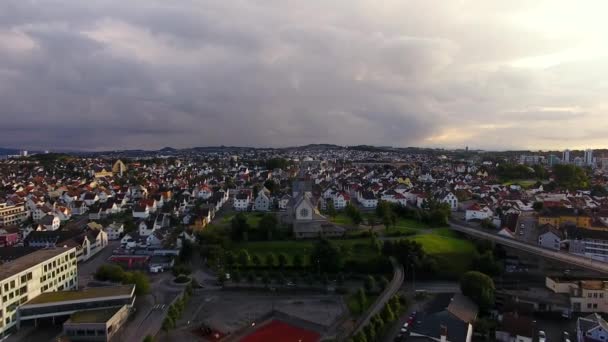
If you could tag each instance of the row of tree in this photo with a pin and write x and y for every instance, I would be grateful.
(116, 273)
(374, 330)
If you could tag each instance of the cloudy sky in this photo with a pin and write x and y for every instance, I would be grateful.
(152, 73)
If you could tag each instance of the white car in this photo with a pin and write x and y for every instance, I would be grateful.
(541, 336)
(405, 326)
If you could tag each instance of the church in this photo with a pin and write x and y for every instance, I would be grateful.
(303, 213)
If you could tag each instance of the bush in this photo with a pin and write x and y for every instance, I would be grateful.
(181, 269)
(181, 279)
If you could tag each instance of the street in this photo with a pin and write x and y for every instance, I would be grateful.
(87, 269)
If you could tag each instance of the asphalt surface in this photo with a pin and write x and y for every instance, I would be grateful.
(527, 230)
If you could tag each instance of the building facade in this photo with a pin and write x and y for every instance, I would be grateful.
(46, 270)
(12, 214)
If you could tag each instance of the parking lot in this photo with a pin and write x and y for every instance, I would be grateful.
(228, 311)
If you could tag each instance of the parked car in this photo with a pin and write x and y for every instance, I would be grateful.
(541, 336)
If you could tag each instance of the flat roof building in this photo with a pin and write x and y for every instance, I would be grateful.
(95, 325)
(27, 277)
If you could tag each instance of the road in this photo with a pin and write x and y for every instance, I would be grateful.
(389, 292)
(526, 229)
(87, 269)
(568, 258)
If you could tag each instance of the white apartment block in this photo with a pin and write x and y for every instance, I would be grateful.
(584, 295)
(45, 270)
(12, 214)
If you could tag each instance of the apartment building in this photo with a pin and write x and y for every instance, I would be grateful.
(24, 278)
(584, 295)
(12, 214)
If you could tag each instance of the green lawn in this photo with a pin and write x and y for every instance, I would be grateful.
(252, 218)
(341, 219)
(525, 183)
(453, 255)
(410, 223)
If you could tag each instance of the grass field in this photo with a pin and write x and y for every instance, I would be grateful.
(410, 223)
(453, 254)
(252, 218)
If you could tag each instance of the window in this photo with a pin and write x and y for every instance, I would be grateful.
(595, 307)
(588, 305)
(595, 295)
(602, 295)
(589, 294)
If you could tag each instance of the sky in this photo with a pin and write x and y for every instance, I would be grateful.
(100, 75)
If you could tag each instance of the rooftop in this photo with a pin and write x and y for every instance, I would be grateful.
(90, 293)
(93, 316)
(27, 261)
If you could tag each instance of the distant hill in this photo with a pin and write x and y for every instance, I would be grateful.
(8, 151)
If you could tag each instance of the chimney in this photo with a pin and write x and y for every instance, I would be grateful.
(443, 332)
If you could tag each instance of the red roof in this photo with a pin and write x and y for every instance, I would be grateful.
(281, 331)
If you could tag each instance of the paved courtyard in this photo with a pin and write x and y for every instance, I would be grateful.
(229, 311)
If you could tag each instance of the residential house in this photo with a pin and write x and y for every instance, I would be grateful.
(550, 237)
(453, 324)
(141, 211)
(558, 216)
(583, 295)
(448, 198)
(114, 231)
(241, 201)
(368, 199)
(592, 328)
(515, 328)
(262, 202)
(476, 212)
(9, 236)
(50, 222)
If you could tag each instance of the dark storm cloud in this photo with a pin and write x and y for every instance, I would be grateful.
(148, 74)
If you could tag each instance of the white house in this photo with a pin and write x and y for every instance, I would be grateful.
(284, 201)
(141, 211)
(203, 192)
(449, 198)
(475, 212)
(241, 201)
(146, 228)
(50, 222)
(591, 328)
(262, 202)
(114, 230)
(368, 200)
(341, 200)
(550, 237)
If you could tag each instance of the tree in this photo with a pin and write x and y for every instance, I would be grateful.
(230, 258)
(239, 227)
(271, 260)
(148, 338)
(570, 176)
(387, 313)
(141, 281)
(110, 272)
(485, 263)
(370, 284)
(271, 186)
(168, 323)
(354, 214)
(244, 258)
(327, 256)
(268, 224)
(361, 298)
(537, 206)
(297, 261)
(371, 221)
(283, 259)
(383, 209)
(386, 221)
(331, 209)
(383, 282)
(255, 260)
(479, 287)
